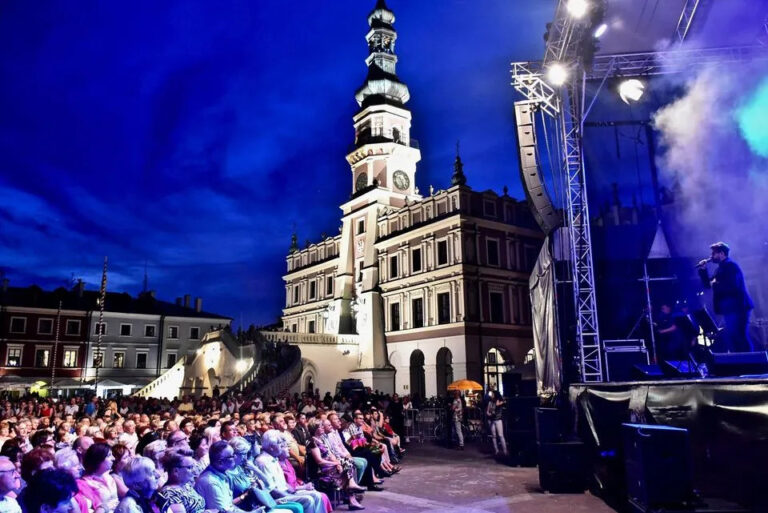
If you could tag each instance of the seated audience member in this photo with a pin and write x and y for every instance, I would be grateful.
(66, 459)
(213, 484)
(154, 451)
(81, 445)
(249, 484)
(35, 461)
(122, 456)
(10, 481)
(274, 448)
(140, 477)
(359, 446)
(199, 445)
(363, 472)
(178, 494)
(337, 473)
(96, 483)
(51, 491)
(298, 452)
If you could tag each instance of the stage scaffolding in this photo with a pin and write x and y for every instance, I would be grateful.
(566, 105)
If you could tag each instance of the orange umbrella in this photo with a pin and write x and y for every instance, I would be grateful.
(465, 384)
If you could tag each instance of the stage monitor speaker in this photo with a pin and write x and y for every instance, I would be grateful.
(543, 211)
(739, 364)
(563, 467)
(679, 369)
(620, 365)
(658, 465)
(644, 372)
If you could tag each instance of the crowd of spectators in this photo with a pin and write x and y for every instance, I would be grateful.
(229, 454)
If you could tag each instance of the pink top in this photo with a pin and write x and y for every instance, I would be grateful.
(100, 490)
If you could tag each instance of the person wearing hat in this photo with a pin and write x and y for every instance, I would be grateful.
(729, 297)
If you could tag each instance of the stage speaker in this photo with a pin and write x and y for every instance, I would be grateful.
(620, 364)
(544, 212)
(679, 369)
(739, 364)
(563, 467)
(643, 372)
(548, 422)
(658, 465)
(511, 383)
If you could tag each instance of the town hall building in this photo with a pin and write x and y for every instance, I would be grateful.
(422, 290)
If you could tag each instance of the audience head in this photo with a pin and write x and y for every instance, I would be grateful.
(178, 439)
(51, 491)
(179, 465)
(122, 455)
(222, 456)
(35, 461)
(273, 442)
(141, 476)
(67, 459)
(98, 459)
(10, 480)
(155, 450)
(229, 430)
(241, 448)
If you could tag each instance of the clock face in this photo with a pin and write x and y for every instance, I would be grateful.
(361, 182)
(401, 180)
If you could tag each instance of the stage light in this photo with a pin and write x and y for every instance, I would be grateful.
(557, 74)
(599, 31)
(577, 8)
(631, 90)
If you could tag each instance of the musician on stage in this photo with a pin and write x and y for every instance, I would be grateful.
(670, 337)
(730, 298)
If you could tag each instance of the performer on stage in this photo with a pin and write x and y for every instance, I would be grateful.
(730, 298)
(670, 338)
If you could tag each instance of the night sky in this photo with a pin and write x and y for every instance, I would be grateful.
(194, 136)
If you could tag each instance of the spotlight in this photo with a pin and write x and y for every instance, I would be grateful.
(631, 90)
(577, 8)
(599, 31)
(557, 74)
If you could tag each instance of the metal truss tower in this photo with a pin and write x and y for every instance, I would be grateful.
(566, 106)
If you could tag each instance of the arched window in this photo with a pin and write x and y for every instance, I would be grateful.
(417, 374)
(444, 370)
(496, 364)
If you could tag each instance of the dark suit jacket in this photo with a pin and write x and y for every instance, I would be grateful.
(729, 294)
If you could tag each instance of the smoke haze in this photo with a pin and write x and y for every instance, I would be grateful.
(720, 183)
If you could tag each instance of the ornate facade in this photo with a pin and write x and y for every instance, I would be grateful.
(436, 287)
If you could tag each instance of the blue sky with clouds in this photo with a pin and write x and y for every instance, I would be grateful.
(195, 135)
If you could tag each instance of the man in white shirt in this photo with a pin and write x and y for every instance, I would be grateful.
(129, 436)
(10, 481)
(72, 408)
(274, 446)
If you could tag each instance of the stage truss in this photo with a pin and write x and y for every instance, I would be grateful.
(566, 105)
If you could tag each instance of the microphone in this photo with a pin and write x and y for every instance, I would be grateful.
(703, 262)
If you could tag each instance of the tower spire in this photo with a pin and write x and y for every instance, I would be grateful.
(458, 177)
(382, 85)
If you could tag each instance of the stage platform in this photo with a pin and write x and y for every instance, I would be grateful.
(727, 419)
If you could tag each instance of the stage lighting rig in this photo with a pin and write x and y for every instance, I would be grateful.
(557, 74)
(631, 90)
(600, 30)
(578, 8)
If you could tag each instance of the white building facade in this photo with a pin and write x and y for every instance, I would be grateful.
(432, 289)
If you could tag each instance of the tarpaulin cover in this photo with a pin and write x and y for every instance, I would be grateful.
(543, 315)
(727, 421)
